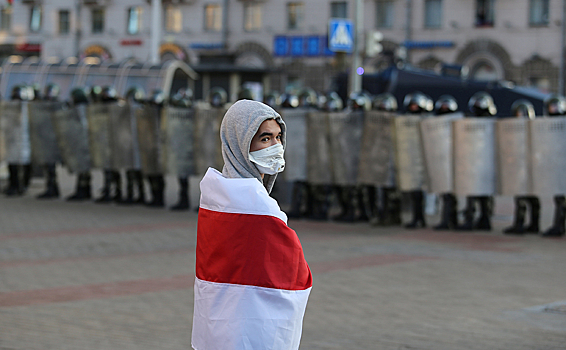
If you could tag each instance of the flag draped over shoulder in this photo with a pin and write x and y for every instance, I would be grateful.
(252, 281)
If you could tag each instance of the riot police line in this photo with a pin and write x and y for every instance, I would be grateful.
(368, 157)
(365, 156)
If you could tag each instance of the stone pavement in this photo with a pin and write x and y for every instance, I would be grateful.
(86, 276)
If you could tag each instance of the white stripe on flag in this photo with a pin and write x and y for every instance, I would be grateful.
(239, 317)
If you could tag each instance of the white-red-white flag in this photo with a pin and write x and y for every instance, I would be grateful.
(252, 281)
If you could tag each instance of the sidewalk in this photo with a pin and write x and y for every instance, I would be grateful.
(84, 276)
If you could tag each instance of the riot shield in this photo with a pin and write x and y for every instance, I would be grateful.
(436, 133)
(178, 130)
(121, 136)
(98, 115)
(377, 158)
(44, 147)
(71, 130)
(207, 146)
(149, 138)
(345, 131)
(319, 165)
(296, 145)
(548, 151)
(408, 153)
(513, 157)
(474, 157)
(15, 123)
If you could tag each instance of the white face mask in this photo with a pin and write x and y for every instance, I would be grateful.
(269, 160)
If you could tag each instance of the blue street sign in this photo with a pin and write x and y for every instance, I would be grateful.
(340, 35)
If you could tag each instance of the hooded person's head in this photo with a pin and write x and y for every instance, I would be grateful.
(240, 124)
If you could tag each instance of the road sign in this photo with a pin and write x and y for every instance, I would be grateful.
(340, 35)
(373, 43)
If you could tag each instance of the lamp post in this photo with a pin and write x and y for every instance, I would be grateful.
(355, 78)
(155, 30)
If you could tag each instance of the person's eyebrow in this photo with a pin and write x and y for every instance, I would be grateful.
(265, 133)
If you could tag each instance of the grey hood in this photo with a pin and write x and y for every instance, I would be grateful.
(239, 125)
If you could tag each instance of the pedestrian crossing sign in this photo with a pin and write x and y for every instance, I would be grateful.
(340, 35)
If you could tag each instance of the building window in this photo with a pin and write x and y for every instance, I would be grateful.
(339, 9)
(213, 17)
(35, 19)
(64, 22)
(134, 20)
(252, 17)
(6, 18)
(294, 15)
(433, 13)
(485, 13)
(538, 15)
(173, 19)
(97, 20)
(384, 17)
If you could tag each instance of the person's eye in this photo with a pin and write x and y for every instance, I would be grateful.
(265, 139)
(278, 137)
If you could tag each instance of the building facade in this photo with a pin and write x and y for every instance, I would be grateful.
(283, 45)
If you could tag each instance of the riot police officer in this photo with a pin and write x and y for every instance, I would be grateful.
(157, 180)
(447, 104)
(83, 191)
(384, 202)
(51, 93)
(217, 97)
(272, 99)
(183, 99)
(481, 104)
(524, 109)
(112, 184)
(134, 177)
(555, 106)
(419, 104)
(19, 170)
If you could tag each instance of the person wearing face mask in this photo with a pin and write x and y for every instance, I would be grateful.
(250, 268)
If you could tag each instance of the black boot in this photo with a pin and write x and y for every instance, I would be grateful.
(105, 191)
(388, 211)
(557, 229)
(138, 176)
(518, 227)
(449, 214)
(26, 177)
(345, 196)
(321, 194)
(183, 203)
(296, 200)
(535, 215)
(469, 214)
(51, 188)
(130, 178)
(484, 221)
(157, 183)
(83, 191)
(117, 182)
(366, 202)
(14, 188)
(417, 202)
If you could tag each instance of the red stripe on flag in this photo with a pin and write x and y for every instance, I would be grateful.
(257, 250)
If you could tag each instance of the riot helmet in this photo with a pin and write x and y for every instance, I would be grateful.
(481, 105)
(36, 89)
(272, 99)
(79, 95)
(96, 93)
(51, 92)
(136, 94)
(289, 101)
(523, 108)
(417, 103)
(217, 96)
(19, 92)
(157, 97)
(182, 98)
(555, 105)
(333, 102)
(385, 102)
(108, 94)
(359, 101)
(445, 104)
(307, 97)
(245, 94)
